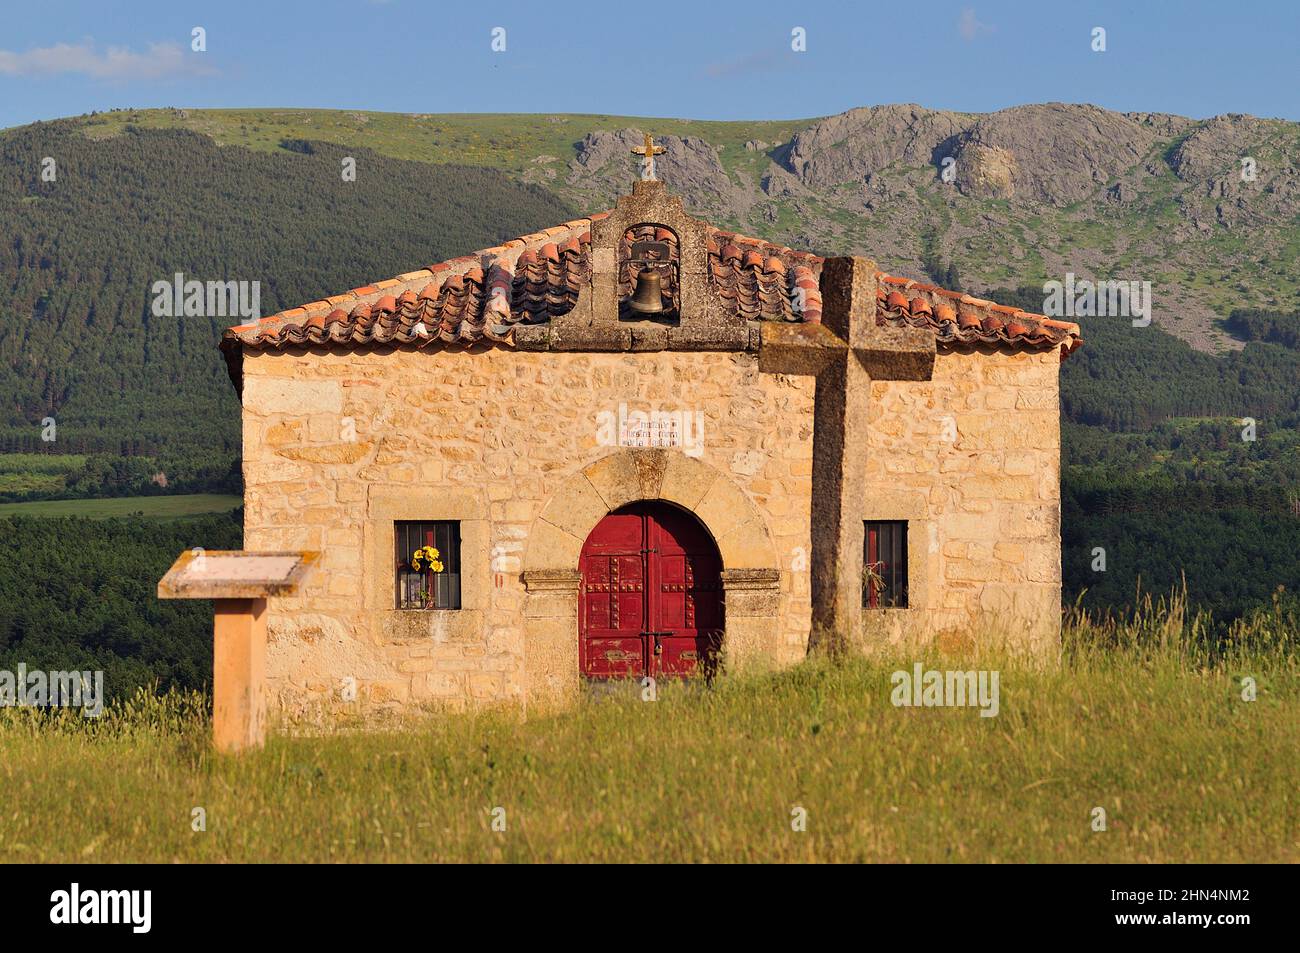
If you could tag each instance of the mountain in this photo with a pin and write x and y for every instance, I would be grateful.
(1034, 192)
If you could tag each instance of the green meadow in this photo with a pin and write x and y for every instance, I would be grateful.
(511, 142)
(40, 472)
(1143, 719)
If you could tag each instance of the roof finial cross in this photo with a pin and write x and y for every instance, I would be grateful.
(648, 151)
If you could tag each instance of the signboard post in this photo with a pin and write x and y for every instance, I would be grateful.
(239, 583)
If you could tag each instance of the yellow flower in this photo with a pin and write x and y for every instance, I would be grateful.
(426, 555)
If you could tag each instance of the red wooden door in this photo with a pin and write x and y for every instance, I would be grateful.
(651, 598)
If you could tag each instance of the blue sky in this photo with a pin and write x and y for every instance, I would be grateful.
(702, 60)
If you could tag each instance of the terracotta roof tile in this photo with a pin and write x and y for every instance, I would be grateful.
(537, 277)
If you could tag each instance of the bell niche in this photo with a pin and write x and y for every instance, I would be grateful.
(648, 275)
(647, 287)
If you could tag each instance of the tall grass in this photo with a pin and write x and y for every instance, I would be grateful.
(1168, 627)
(1144, 717)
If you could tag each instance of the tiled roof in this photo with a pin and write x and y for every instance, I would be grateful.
(765, 282)
(463, 300)
(959, 319)
(482, 297)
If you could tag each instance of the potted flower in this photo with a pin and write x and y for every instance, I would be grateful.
(427, 560)
(874, 582)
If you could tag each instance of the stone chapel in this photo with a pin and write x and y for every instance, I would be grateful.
(642, 445)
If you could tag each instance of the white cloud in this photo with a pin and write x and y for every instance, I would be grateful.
(970, 27)
(160, 61)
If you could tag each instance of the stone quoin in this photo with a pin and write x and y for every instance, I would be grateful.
(878, 463)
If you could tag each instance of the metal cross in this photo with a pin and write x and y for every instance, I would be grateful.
(649, 151)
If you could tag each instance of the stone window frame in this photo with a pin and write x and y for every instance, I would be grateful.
(448, 557)
(922, 558)
(389, 505)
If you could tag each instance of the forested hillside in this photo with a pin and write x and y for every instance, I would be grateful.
(1252, 324)
(1183, 467)
(1131, 379)
(78, 341)
(81, 594)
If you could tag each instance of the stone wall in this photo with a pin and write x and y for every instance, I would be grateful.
(337, 446)
(972, 460)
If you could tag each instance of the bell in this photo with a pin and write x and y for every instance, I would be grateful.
(648, 296)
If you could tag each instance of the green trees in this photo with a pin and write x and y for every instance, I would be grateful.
(133, 394)
(1158, 469)
(78, 340)
(81, 593)
(1272, 326)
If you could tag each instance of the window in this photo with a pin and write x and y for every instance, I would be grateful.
(427, 589)
(884, 565)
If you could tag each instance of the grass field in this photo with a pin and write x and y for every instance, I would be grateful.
(1133, 722)
(43, 472)
(155, 507)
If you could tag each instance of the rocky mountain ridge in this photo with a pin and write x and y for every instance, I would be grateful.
(1018, 196)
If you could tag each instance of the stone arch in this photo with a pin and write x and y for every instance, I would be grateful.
(581, 500)
(751, 574)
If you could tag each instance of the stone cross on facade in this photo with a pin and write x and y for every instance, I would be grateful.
(649, 151)
(845, 352)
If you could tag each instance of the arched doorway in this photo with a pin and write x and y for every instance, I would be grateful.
(650, 601)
